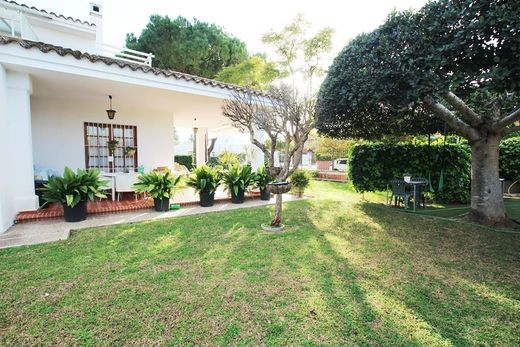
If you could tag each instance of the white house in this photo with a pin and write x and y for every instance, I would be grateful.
(56, 76)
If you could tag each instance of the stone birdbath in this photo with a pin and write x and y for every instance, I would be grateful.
(277, 188)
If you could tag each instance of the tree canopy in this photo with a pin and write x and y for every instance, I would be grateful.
(330, 148)
(255, 73)
(192, 47)
(390, 80)
(453, 62)
(298, 52)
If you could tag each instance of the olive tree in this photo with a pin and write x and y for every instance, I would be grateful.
(452, 62)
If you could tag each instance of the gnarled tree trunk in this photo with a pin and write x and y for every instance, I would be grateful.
(277, 218)
(487, 203)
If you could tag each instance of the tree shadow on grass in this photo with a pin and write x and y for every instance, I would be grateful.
(341, 274)
(309, 280)
(461, 279)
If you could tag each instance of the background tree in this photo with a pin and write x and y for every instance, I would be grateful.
(192, 47)
(255, 73)
(299, 53)
(453, 61)
(333, 148)
(299, 56)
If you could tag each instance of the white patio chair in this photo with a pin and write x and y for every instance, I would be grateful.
(125, 183)
(180, 170)
(109, 186)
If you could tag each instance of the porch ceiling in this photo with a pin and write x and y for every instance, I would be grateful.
(184, 106)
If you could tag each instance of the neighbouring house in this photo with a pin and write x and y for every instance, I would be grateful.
(56, 76)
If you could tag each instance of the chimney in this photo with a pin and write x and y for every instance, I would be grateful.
(96, 17)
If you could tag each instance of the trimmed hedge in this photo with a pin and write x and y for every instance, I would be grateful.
(371, 166)
(510, 158)
(186, 160)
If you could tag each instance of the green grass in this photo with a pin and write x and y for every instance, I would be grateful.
(346, 272)
(459, 211)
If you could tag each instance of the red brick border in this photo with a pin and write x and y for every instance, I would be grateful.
(105, 206)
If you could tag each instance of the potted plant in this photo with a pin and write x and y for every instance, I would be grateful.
(300, 179)
(205, 180)
(73, 191)
(112, 145)
(160, 186)
(262, 178)
(129, 151)
(237, 179)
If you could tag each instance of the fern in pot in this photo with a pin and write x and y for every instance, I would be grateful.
(205, 180)
(161, 187)
(262, 178)
(73, 191)
(237, 179)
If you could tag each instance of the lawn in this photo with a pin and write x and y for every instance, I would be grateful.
(346, 272)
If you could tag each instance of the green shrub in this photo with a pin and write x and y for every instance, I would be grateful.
(371, 166)
(228, 158)
(213, 161)
(262, 178)
(510, 158)
(158, 185)
(324, 157)
(186, 160)
(204, 179)
(238, 178)
(73, 187)
(300, 179)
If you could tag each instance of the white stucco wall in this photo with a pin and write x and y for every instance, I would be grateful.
(16, 174)
(5, 213)
(85, 42)
(58, 138)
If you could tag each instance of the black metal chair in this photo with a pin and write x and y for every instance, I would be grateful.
(399, 192)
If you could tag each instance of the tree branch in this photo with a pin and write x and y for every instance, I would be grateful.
(511, 130)
(469, 115)
(453, 121)
(509, 119)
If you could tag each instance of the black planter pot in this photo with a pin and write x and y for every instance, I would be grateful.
(76, 213)
(161, 205)
(265, 194)
(237, 198)
(206, 199)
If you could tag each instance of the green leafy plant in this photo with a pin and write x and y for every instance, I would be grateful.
(112, 145)
(238, 178)
(186, 160)
(300, 179)
(372, 165)
(262, 178)
(73, 187)
(158, 185)
(204, 179)
(130, 151)
(510, 158)
(227, 159)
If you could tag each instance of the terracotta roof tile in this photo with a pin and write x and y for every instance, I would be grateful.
(94, 58)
